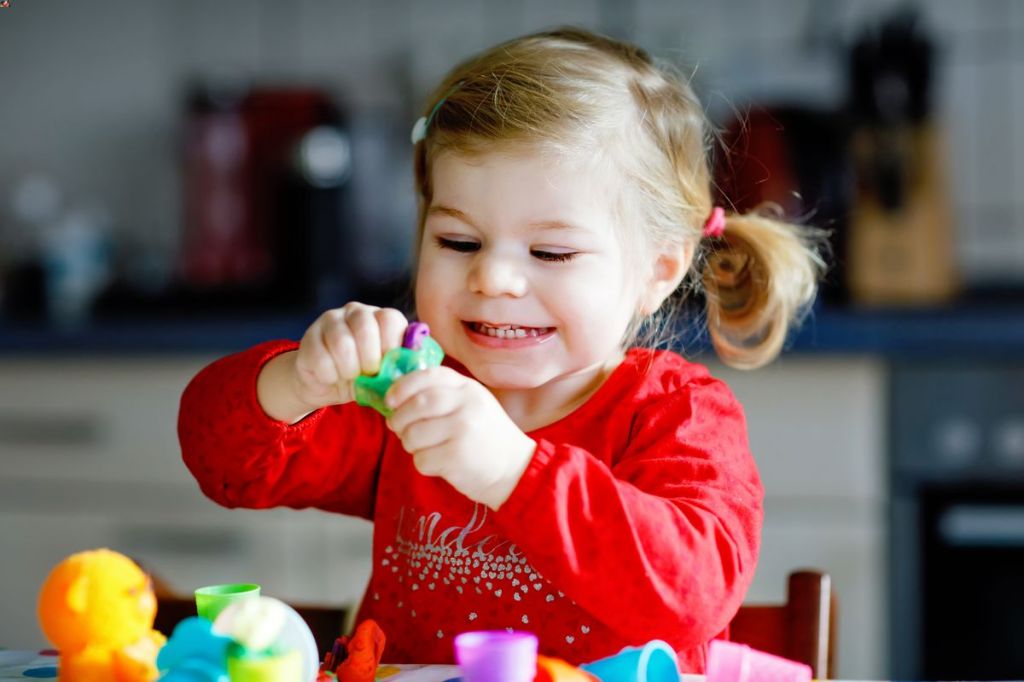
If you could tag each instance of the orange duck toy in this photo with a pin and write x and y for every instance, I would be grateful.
(97, 608)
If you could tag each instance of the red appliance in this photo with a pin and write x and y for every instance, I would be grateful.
(254, 218)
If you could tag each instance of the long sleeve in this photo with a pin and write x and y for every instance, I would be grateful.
(662, 541)
(243, 458)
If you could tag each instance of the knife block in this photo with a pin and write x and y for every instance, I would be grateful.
(900, 248)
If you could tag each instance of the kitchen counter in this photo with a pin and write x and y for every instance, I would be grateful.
(948, 331)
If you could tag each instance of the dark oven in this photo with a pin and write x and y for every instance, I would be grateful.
(956, 558)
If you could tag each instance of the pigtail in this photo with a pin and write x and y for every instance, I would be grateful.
(759, 278)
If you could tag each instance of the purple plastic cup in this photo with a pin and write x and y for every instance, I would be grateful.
(735, 662)
(496, 656)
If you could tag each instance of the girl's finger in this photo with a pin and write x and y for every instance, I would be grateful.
(313, 360)
(430, 403)
(392, 325)
(430, 460)
(340, 344)
(425, 433)
(414, 382)
(362, 322)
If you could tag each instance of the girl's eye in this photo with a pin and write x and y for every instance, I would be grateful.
(460, 245)
(554, 256)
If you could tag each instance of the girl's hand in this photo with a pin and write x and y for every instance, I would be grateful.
(339, 346)
(456, 429)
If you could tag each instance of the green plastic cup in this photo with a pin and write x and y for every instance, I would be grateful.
(213, 599)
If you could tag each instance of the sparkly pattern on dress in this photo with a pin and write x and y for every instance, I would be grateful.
(430, 553)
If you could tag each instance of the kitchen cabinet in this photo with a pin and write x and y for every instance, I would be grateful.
(90, 458)
(817, 429)
(98, 420)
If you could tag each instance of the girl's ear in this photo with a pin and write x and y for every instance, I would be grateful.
(669, 268)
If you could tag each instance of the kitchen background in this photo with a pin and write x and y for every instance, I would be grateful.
(156, 158)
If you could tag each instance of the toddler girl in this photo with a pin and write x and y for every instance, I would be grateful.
(550, 476)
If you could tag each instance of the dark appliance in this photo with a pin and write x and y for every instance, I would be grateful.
(957, 527)
(267, 206)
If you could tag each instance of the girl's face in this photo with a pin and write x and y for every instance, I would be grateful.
(521, 276)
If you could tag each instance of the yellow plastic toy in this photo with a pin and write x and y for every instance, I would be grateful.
(97, 608)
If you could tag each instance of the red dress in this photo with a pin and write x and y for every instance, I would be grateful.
(638, 518)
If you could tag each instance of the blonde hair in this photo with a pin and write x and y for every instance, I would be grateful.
(575, 91)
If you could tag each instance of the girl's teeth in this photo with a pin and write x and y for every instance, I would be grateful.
(506, 332)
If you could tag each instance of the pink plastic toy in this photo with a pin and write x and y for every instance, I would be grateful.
(734, 662)
(496, 656)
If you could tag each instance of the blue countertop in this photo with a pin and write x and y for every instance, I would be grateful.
(957, 330)
(948, 331)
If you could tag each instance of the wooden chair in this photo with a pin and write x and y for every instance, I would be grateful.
(326, 622)
(802, 629)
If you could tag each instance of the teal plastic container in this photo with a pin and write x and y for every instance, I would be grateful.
(653, 662)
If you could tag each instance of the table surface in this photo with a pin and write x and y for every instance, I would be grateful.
(25, 665)
(42, 665)
(22, 665)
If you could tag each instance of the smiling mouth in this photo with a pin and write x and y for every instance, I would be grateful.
(508, 331)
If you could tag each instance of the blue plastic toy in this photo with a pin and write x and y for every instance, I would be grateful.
(194, 653)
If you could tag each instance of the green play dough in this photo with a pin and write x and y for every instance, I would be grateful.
(397, 362)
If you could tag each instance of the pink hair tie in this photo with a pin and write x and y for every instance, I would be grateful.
(714, 226)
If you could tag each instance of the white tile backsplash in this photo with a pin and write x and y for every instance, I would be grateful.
(784, 22)
(852, 17)
(543, 14)
(504, 20)
(664, 26)
(991, 251)
(332, 35)
(957, 110)
(431, 26)
(93, 92)
(1016, 19)
(994, 125)
(1016, 139)
(214, 37)
(337, 49)
(952, 18)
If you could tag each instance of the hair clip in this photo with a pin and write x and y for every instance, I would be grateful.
(419, 129)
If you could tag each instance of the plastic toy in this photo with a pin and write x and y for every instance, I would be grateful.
(213, 599)
(259, 639)
(653, 662)
(355, 659)
(272, 642)
(246, 666)
(97, 607)
(556, 670)
(418, 351)
(194, 653)
(496, 656)
(255, 624)
(734, 662)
